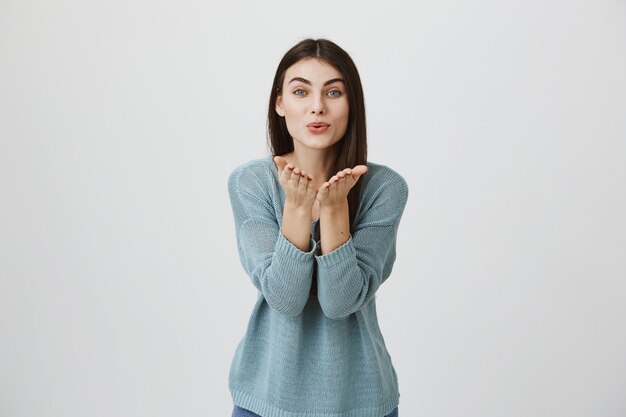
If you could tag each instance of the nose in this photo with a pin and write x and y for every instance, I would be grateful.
(317, 106)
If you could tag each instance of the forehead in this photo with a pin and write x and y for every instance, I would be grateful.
(312, 69)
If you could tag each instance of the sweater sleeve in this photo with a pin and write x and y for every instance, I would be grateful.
(349, 276)
(281, 271)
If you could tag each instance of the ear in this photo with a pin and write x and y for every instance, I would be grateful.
(279, 106)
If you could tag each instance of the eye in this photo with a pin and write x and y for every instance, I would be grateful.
(299, 92)
(334, 93)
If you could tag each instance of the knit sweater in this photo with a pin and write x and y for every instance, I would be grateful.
(316, 353)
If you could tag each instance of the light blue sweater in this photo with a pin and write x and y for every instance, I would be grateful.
(314, 353)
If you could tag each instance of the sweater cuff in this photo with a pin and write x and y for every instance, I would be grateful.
(286, 288)
(343, 253)
(283, 245)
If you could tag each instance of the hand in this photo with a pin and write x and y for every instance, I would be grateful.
(298, 186)
(335, 190)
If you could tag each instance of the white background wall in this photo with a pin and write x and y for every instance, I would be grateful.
(121, 293)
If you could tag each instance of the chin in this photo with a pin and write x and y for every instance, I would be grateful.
(311, 141)
(320, 146)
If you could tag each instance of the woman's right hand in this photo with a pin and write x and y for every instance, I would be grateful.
(299, 190)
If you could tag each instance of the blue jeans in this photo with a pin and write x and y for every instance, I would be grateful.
(242, 412)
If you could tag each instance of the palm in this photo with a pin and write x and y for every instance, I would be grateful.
(336, 189)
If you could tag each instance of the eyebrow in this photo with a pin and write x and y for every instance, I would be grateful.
(305, 81)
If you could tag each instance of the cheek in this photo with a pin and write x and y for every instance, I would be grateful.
(293, 126)
(343, 108)
(292, 102)
(291, 114)
(344, 113)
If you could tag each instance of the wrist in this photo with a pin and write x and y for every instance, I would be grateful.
(297, 210)
(329, 208)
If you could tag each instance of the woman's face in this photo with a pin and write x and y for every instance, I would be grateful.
(314, 104)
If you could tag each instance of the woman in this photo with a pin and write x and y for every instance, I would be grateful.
(316, 230)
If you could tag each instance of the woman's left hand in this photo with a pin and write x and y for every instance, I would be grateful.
(335, 190)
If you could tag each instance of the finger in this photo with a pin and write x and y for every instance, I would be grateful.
(323, 191)
(285, 178)
(295, 178)
(286, 174)
(302, 185)
(344, 186)
(289, 168)
(350, 181)
(334, 190)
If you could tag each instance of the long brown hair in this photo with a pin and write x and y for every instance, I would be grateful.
(352, 148)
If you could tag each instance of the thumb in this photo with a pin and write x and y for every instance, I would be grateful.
(359, 170)
(280, 163)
